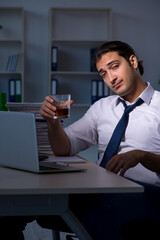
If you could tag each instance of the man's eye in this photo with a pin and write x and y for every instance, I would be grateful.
(103, 75)
(115, 66)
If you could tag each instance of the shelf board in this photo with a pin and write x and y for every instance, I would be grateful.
(11, 40)
(11, 8)
(81, 9)
(8, 73)
(73, 73)
(78, 41)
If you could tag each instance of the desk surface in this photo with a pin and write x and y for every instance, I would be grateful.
(93, 180)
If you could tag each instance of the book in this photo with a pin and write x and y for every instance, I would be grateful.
(13, 62)
(8, 63)
(54, 58)
(19, 62)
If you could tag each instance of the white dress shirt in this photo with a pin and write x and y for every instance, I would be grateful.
(142, 132)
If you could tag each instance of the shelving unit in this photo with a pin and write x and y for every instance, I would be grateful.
(11, 43)
(75, 31)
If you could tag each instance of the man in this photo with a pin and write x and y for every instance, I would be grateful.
(138, 155)
(139, 152)
(115, 217)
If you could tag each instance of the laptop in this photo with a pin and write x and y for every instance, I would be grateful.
(18, 147)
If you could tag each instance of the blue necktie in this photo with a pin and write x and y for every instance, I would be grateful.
(118, 133)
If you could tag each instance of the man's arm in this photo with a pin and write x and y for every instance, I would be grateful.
(124, 161)
(59, 140)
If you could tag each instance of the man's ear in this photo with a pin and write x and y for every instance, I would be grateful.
(134, 62)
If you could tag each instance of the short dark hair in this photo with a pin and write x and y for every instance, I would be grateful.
(122, 48)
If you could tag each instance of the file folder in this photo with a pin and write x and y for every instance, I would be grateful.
(94, 91)
(18, 90)
(54, 58)
(54, 86)
(11, 90)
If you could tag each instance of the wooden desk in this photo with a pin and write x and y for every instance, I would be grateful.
(24, 193)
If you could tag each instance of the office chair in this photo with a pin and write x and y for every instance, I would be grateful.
(56, 236)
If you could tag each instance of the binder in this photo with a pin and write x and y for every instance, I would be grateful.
(11, 90)
(92, 54)
(106, 90)
(54, 86)
(54, 58)
(100, 89)
(18, 90)
(94, 91)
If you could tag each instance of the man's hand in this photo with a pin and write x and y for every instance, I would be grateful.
(122, 162)
(48, 109)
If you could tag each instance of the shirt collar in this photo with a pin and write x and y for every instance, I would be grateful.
(146, 95)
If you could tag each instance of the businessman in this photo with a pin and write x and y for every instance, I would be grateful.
(137, 155)
(133, 153)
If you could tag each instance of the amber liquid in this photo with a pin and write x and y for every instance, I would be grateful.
(62, 112)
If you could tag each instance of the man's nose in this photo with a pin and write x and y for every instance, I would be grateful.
(111, 77)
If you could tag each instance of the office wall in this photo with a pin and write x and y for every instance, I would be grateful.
(136, 22)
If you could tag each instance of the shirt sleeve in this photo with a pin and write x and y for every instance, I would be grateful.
(83, 133)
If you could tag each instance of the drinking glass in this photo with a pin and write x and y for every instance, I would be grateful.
(62, 104)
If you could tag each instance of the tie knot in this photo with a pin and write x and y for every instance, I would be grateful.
(129, 108)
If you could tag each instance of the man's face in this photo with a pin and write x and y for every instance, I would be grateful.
(118, 74)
